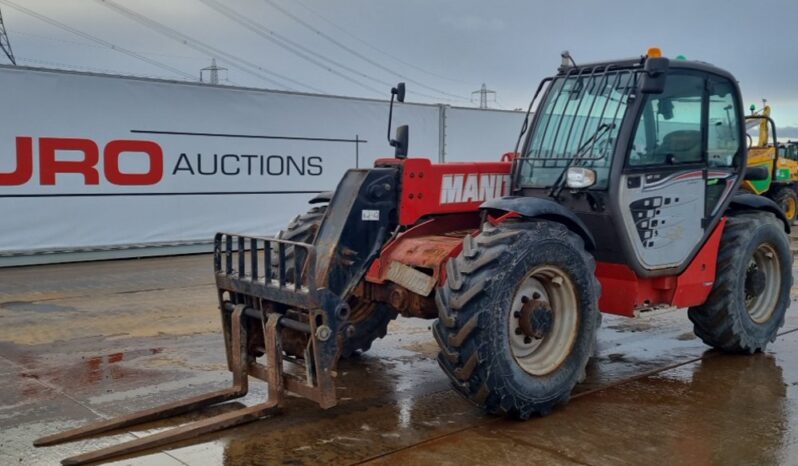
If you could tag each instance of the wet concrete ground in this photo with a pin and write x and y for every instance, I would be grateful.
(82, 342)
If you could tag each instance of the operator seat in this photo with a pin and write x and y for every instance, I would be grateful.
(680, 146)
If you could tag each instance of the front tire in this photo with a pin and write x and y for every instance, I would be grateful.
(746, 306)
(518, 317)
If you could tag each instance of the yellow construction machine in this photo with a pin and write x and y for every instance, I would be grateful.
(781, 161)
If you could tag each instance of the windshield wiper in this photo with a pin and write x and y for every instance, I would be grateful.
(559, 183)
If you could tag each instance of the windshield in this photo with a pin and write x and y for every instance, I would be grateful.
(577, 124)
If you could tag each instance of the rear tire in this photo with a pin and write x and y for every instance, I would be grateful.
(488, 287)
(787, 199)
(369, 318)
(746, 306)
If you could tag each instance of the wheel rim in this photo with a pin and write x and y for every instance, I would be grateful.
(762, 283)
(554, 292)
(790, 208)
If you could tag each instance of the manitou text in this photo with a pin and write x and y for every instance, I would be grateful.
(474, 187)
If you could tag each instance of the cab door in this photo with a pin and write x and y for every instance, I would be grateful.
(673, 179)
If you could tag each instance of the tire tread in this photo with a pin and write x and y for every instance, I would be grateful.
(469, 275)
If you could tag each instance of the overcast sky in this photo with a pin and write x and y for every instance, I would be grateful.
(444, 49)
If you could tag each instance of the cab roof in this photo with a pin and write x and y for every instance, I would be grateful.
(638, 63)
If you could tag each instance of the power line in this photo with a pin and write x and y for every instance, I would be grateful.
(5, 44)
(499, 102)
(190, 42)
(92, 69)
(289, 45)
(300, 50)
(95, 46)
(94, 39)
(372, 47)
(232, 60)
(358, 54)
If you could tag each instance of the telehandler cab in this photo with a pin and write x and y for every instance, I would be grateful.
(619, 197)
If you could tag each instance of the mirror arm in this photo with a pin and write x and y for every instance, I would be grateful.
(397, 93)
(390, 115)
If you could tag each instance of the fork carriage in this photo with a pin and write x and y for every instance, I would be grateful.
(250, 286)
(248, 277)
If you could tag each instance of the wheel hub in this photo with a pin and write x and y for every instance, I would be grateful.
(543, 320)
(762, 283)
(536, 319)
(755, 282)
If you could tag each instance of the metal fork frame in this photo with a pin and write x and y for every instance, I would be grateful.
(241, 370)
(244, 294)
(265, 285)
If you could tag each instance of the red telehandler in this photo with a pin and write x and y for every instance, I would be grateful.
(622, 195)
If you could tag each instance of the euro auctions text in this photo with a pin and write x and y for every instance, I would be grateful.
(58, 156)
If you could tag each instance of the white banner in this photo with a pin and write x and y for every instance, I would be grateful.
(91, 161)
(473, 135)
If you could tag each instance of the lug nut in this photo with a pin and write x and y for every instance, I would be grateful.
(323, 333)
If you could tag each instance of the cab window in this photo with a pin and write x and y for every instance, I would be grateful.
(669, 129)
(723, 130)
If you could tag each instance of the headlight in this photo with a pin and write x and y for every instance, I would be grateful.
(580, 177)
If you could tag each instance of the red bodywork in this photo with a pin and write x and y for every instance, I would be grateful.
(440, 205)
(622, 291)
(434, 189)
(426, 246)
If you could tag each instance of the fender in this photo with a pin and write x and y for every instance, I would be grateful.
(322, 197)
(746, 201)
(535, 207)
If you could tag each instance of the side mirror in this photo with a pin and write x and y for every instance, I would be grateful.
(653, 79)
(580, 177)
(665, 108)
(399, 92)
(757, 173)
(401, 142)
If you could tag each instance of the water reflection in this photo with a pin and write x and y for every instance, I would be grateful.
(722, 410)
(741, 413)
